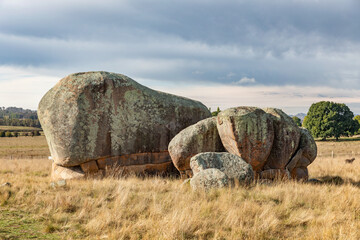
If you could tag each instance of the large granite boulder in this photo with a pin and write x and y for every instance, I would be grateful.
(233, 166)
(247, 132)
(200, 137)
(208, 179)
(98, 119)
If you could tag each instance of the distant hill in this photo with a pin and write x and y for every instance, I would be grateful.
(13, 116)
(18, 113)
(299, 115)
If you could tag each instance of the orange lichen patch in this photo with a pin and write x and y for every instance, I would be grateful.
(89, 167)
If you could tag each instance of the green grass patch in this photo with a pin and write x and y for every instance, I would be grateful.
(15, 224)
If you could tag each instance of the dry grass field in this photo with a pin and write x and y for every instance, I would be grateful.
(18, 128)
(23, 147)
(162, 208)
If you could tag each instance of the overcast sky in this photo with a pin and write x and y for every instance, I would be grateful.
(280, 53)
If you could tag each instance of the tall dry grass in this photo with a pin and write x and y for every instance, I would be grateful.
(163, 208)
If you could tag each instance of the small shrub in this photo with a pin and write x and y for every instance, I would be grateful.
(35, 133)
(8, 134)
(16, 134)
(2, 134)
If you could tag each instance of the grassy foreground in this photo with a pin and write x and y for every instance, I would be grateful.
(161, 208)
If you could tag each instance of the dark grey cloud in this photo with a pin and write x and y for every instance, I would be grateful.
(276, 42)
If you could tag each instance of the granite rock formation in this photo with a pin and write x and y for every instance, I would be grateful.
(99, 119)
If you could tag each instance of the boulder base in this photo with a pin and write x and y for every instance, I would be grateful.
(66, 173)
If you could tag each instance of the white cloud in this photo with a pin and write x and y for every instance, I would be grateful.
(246, 80)
(230, 75)
(292, 99)
(24, 87)
(183, 42)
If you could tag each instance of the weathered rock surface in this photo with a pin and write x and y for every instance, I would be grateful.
(208, 179)
(233, 166)
(286, 140)
(247, 132)
(308, 145)
(305, 155)
(103, 116)
(66, 173)
(200, 137)
(300, 173)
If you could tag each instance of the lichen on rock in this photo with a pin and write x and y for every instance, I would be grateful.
(92, 115)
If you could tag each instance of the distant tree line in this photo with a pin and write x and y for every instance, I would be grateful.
(13, 116)
(17, 134)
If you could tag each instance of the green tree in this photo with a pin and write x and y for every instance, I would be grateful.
(297, 120)
(8, 134)
(357, 118)
(329, 119)
(35, 133)
(16, 134)
(2, 134)
(216, 112)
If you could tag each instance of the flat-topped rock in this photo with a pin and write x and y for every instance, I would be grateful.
(103, 116)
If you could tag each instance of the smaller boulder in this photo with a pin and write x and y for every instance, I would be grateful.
(200, 137)
(208, 179)
(60, 183)
(233, 166)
